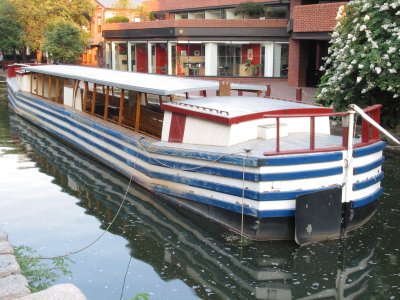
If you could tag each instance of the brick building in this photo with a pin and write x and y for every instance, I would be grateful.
(208, 38)
(104, 9)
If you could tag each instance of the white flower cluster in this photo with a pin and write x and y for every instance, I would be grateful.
(366, 34)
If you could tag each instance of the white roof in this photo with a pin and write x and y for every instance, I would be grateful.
(141, 82)
(236, 106)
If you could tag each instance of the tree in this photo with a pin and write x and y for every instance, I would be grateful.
(64, 41)
(123, 4)
(252, 9)
(364, 58)
(11, 31)
(143, 12)
(36, 15)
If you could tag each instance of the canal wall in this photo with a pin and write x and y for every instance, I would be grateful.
(13, 285)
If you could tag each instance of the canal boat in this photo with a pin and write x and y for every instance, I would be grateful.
(266, 168)
(202, 256)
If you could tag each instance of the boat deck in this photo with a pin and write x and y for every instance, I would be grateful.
(294, 141)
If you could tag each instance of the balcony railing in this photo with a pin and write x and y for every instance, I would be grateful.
(205, 23)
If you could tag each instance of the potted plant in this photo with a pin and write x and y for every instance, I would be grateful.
(251, 68)
(251, 9)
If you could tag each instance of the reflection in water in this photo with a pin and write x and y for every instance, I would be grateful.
(208, 258)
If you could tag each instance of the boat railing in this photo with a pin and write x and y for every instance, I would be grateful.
(198, 107)
(369, 133)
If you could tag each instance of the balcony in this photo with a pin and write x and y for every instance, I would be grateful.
(209, 28)
(203, 23)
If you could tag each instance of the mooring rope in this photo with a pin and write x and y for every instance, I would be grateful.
(126, 193)
(100, 236)
(184, 169)
(126, 274)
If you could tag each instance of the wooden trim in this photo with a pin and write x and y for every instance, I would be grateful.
(121, 106)
(49, 88)
(106, 100)
(37, 85)
(93, 99)
(57, 89)
(85, 94)
(43, 85)
(32, 83)
(312, 133)
(138, 105)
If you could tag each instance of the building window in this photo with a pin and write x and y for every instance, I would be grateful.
(196, 15)
(120, 54)
(190, 59)
(281, 58)
(213, 14)
(229, 59)
(98, 24)
(277, 12)
(181, 16)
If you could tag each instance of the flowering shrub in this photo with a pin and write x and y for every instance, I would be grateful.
(363, 63)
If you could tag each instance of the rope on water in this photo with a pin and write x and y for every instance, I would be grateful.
(100, 236)
(126, 193)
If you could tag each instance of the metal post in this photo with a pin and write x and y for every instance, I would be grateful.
(268, 91)
(348, 178)
(299, 94)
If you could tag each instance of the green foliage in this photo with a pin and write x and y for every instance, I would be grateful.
(11, 30)
(64, 42)
(364, 58)
(36, 15)
(117, 19)
(252, 9)
(141, 296)
(253, 67)
(123, 4)
(40, 275)
(143, 12)
(152, 16)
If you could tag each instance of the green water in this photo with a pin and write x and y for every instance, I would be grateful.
(58, 201)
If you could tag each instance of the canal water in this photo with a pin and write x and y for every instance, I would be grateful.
(56, 201)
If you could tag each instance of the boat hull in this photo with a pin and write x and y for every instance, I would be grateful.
(255, 196)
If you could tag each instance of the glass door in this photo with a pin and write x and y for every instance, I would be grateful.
(133, 57)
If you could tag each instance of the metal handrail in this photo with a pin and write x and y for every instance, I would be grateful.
(366, 138)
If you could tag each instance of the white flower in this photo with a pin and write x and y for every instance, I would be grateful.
(321, 68)
(392, 71)
(391, 50)
(361, 66)
(378, 70)
(363, 27)
(395, 96)
(363, 91)
(366, 18)
(384, 7)
(359, 79)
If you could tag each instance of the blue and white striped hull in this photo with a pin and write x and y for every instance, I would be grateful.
(217, 185)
